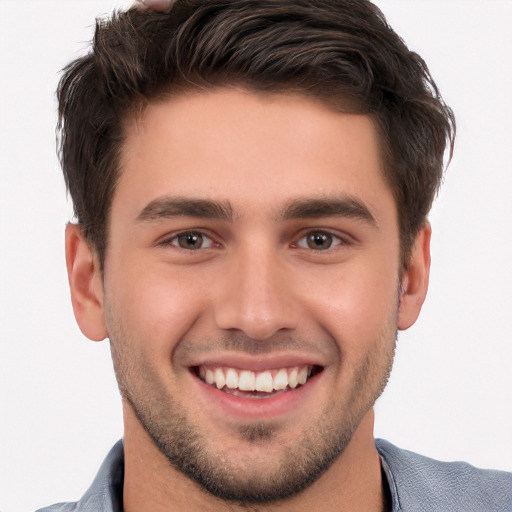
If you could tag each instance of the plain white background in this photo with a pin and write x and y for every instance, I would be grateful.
(450, 394)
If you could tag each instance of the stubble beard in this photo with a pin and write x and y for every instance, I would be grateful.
(188, 451)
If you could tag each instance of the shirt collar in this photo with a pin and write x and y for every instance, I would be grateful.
(106, 491)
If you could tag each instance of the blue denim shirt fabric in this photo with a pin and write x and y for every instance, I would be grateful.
(106, 491)
(421, 484)
(416, 483)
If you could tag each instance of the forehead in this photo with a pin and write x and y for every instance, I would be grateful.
(254, 150)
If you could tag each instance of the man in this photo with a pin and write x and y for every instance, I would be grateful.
(251, 182)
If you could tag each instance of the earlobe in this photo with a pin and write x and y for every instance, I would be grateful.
(415, 278)
(85, 283)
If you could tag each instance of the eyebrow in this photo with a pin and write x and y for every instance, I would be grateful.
(168, 207)
(308, 208)
(314, 208)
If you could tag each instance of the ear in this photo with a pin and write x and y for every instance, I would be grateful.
(85, 283)
(414, 283)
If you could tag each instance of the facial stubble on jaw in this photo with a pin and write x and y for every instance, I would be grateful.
(189, 451)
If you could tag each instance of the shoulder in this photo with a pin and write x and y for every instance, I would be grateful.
(106, 491)
(59, 507)
(419, 483)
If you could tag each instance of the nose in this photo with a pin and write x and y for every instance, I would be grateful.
(256, 295)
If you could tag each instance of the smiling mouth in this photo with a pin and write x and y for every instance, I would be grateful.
(259, 384)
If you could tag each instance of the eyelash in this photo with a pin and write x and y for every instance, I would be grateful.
(302, 242)
(174, 240)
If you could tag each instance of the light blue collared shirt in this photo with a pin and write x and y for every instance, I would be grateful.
(416, 484)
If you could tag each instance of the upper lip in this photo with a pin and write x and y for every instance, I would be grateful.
(257, 363)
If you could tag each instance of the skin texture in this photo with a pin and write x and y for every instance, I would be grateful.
(158, 5)
(253, 294)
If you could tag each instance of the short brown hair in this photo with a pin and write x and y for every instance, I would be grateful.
(342, 52)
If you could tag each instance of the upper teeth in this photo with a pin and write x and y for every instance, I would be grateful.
(247, 380)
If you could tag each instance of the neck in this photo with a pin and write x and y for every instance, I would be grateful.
(353, 482)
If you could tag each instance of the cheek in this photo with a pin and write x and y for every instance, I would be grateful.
(357, 306)
(154, 307)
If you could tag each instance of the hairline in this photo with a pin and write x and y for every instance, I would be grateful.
(135, 112)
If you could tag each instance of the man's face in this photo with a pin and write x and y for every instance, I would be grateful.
(253, 245)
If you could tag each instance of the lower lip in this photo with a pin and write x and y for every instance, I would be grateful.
(274, 406)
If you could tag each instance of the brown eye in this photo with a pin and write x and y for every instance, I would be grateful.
(192, 241)
(319, 241)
